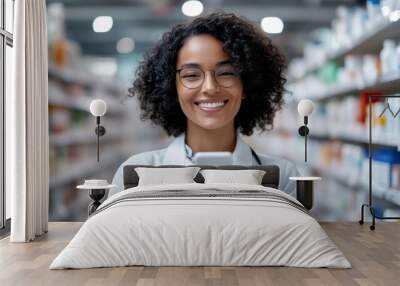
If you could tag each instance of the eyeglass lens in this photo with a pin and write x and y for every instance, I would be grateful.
(192, 77)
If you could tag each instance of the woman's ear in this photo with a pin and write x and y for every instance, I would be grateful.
(243, 96)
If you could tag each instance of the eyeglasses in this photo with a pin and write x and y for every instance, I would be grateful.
(193, 77)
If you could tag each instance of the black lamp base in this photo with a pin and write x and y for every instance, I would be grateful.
(96, 195)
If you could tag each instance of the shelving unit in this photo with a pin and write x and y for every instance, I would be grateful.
(70, 75)
(82, 102)
(349, 177)
(81, 136)
(390, 195)
(327, 96)
(75, 78)
(78, 171)
(356, 140)
(369, 42)
(386, 85)
(72, 138)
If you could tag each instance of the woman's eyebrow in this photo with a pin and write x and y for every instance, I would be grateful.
(196, 65)
(224, 63)
(190, 65)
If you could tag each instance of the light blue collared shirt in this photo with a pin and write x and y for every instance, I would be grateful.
(175, 154)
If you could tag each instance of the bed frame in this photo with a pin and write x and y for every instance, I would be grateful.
(304, 191)
(270, 179)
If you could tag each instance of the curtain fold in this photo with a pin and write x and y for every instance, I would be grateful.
(27, 130)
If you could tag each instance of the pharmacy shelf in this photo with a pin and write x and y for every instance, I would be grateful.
(370, 42)
(85, 136)
(81, 77)
(363, 141)
(81, 169)
(384, 85)
(78, 103)
(343, 176)
(345, 138)
(90, 88)
(82, 102)
(390, 195)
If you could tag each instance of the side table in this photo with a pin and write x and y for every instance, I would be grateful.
(304, 190)
(97, 190)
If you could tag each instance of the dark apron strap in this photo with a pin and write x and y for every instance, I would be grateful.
(255, 156)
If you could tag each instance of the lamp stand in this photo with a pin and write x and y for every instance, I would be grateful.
(96, 195)
(305, 148)
(303, 131)
(100, 131)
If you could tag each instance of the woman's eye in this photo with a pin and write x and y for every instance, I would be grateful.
(226, 73)
(190, 75)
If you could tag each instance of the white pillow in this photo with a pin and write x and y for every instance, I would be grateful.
(248, 177)
(163, 176)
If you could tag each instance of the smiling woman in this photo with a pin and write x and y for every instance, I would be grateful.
(205, 82)
(210, 99)
(207, 41)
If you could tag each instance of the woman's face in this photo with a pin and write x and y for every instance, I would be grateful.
(214, 103)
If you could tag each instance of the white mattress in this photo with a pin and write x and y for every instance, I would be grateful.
(182, 231)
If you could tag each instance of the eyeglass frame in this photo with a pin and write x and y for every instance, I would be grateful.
(237, 74)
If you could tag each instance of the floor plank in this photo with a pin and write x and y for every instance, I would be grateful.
(374, 255)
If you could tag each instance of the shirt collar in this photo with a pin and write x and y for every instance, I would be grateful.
(176, 154)
(242, 153)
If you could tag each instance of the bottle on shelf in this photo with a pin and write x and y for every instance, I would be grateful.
(370, 69)
(374, 11)
(387, 56)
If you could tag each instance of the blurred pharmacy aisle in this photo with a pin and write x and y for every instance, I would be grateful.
(339, 52)
(74, 80)
(358, 56)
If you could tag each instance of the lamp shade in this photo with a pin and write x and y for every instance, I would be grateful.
(305, 107)
(98, 107)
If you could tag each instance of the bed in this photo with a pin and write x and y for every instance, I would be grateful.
(201, 224)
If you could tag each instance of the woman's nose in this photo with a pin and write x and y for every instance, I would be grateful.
(210, 85)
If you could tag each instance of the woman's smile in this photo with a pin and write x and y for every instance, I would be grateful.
(211, 106)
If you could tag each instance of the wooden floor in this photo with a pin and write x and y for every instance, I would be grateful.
(374, 255)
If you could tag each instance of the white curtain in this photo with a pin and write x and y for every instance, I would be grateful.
(27, 140)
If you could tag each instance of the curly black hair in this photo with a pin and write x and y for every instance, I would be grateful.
(259, 62)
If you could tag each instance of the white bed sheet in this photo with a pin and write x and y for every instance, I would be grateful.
(200, 231)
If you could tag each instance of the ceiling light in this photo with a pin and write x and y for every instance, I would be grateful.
(385, 10)
(125, 45)
(192, 8)
(272, 25)
(394, 16)
(102, 24)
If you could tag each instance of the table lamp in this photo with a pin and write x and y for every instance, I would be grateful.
(96, 188)
(98, 108)
(305, 108)
(304, 185)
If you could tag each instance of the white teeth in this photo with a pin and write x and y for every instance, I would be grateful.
(211, 104)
